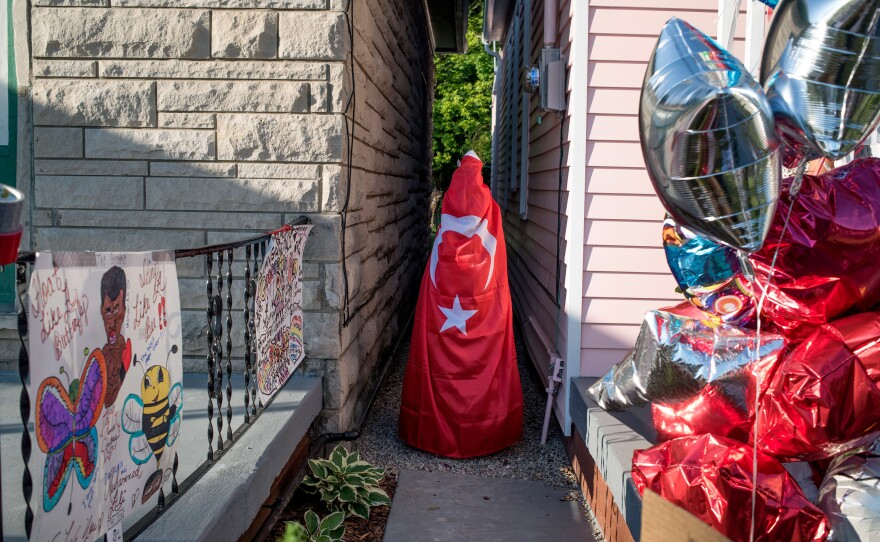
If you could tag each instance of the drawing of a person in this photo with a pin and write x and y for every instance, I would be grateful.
(117, 351)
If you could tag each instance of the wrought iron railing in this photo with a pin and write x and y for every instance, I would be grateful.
(220, 349)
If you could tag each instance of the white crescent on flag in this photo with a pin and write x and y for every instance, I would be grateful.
(469, 226)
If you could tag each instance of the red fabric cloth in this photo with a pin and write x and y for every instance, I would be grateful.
(461, 392)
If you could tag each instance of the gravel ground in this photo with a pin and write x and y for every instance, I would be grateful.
(526, 460)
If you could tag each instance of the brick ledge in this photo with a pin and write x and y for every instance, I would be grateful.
(600, 450)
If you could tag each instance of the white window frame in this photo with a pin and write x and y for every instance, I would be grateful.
(512, 118)
(525, 117)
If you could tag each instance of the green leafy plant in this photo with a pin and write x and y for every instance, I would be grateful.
(462, 110)
(329, 529)
(346, 483)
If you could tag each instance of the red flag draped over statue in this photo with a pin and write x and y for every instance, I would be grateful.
(461, 393)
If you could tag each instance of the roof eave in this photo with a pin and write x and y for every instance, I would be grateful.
(496, 18)
(448, 19)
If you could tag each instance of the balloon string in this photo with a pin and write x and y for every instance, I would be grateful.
(793, 192)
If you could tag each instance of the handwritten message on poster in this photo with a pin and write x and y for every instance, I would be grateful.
(278, 311)
(105, 382)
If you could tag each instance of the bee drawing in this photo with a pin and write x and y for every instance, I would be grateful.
(153, 420)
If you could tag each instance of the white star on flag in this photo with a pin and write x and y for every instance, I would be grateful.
(456, 317)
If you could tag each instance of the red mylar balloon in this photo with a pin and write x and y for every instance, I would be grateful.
(712, 411)
(823, 398)
(711, 477)
(828, 258)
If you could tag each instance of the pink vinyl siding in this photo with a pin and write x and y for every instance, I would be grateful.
(531, 241)
(625, 271)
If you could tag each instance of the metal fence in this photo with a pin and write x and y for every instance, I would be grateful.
(219, 286)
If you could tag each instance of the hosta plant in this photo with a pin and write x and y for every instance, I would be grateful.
(346, 483)
(329, 529)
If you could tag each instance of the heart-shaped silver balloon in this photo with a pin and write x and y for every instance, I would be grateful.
(708, 138)
(821, 72)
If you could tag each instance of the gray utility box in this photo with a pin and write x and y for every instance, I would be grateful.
(552, 87)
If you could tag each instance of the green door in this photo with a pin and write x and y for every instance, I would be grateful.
(8, 132)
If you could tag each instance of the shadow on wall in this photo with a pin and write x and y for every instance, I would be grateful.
(107, 189)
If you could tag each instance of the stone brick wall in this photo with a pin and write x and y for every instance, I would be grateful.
(179, 123)
(386, 233)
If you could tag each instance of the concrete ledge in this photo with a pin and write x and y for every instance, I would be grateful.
(9, 320)
(223, 504)
(610, 439)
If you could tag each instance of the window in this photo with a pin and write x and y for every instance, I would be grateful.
(512, 109)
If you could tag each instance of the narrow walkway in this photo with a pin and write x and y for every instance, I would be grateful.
(450, 507)
(543, 471)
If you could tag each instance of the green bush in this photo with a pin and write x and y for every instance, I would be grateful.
(462, 111)
(346, 483)
(329, 529)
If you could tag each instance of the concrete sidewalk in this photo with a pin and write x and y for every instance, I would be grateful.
(450, 507)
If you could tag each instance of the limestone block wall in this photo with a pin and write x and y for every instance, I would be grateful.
(179, 123)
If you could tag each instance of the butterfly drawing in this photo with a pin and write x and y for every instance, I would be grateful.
(65, 427)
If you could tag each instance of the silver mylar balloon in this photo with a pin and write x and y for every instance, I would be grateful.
(708, 138)
(821, 72)
(850, 496)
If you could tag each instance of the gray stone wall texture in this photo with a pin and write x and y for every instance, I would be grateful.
(179, 123)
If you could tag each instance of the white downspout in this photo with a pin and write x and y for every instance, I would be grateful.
(493, 179)
(561, 372)
(551, 14)
(554, 380)
(497, 57)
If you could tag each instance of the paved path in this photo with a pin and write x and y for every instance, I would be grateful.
(451, 507)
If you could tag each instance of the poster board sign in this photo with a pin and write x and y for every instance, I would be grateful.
(104, 337)
(278, 319)
(663, 521)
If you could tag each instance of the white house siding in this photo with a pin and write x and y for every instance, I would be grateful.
(625, 271)
(531, 242)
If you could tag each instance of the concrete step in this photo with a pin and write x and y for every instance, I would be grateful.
(451, 507)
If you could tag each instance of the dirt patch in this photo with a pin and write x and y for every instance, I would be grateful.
(356, 529)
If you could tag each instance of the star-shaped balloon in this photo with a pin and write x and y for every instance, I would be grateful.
(819, 69)
(708, 138)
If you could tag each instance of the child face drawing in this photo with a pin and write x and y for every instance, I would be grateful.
(113, 313)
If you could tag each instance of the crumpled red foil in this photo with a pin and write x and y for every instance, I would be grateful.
(714, 410)
(711, 477)
(828, 258)
(823, 398)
